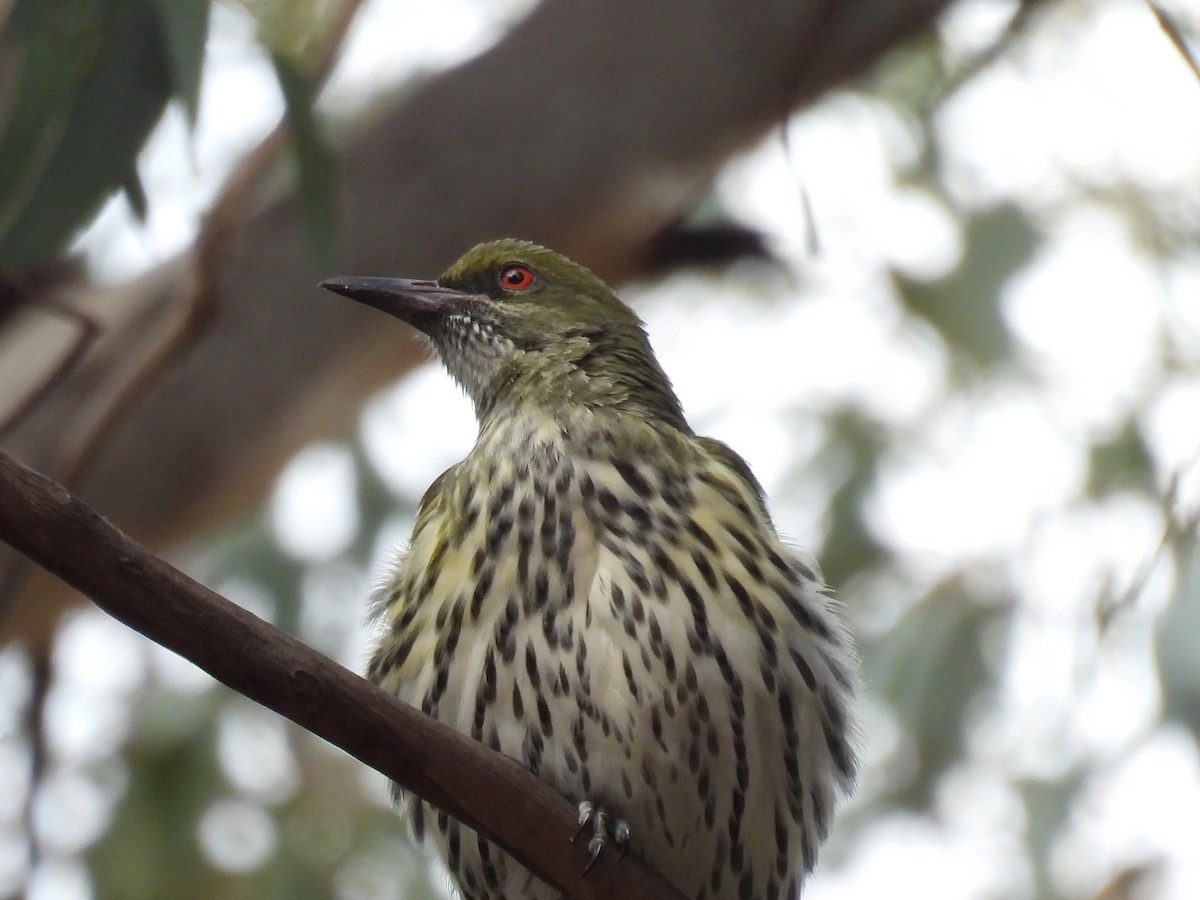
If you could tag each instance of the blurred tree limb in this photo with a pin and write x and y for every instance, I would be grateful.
(484, 789)
(591, 127)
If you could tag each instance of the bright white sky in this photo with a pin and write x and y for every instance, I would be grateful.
(990, 476)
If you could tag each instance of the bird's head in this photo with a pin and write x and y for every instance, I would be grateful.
(519, 325)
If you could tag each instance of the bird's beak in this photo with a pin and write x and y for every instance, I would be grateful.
(400, 297)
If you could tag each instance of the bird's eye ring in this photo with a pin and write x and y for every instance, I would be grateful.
(516, 277)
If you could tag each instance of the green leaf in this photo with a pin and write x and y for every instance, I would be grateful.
(185, 29)
(44, 83)
(150, 840)
(964, 307)
(72, 137)
(931, 668)
(852, 451)
(1049, 805)
(1120, 463)
(314, 163)
(135, 193)
(1179, 639)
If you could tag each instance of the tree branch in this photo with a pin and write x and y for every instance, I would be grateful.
(485, 790)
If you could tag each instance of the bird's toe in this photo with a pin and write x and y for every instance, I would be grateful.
(604, 829)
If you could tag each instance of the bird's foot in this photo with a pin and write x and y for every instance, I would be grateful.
(604, 829)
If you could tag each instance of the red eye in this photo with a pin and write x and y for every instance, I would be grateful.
(516, 277)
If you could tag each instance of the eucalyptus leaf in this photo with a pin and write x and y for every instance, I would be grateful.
(1179, 641)
(964, 307)
(850, 547)
(185, 28)
(315, 164)
(931, 668)
(72, 137)
(43, 83)
(135, 193)
(1121, 462)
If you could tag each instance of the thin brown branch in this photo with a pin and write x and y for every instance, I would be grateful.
(483, 789)
(1175, 34)
(88, 331)
(1020, 24)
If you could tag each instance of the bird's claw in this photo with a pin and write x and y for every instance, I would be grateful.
(585, 815)
(621, 835)
(599, 819)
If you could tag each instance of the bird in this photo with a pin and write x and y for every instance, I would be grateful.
(600, 593)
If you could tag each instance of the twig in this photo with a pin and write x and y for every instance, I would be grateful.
(481, 788)
(1168, 24)
(1017, 26)
(1185, 527)
(88, 332)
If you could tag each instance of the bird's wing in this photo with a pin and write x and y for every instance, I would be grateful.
(431, 500)
(739, 467)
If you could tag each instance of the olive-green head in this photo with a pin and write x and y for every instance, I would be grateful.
(519, 325)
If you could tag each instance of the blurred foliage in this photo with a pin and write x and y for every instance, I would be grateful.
(1179, 640)
(315, 165)
(82, 85)
(86, 81)
(1120, 463)
(930, 668)
(964, 307)
(853, 449)
(151, 838)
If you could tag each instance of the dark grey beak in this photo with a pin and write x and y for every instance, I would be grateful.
(400, 297)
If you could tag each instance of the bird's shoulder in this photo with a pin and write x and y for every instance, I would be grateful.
(428, 532)
(433, 501)
(727, 462)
